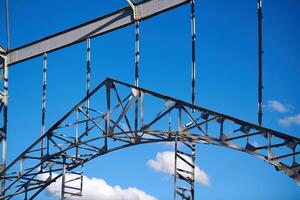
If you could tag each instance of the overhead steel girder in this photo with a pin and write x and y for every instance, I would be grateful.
(111, 118)
(145, 9)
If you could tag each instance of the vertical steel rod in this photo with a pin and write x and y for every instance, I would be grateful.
(81, 182)
(137, 60)
(88, 79)
(63, 179)
(269, 145)
(7, 25)
(137, 52)
(193, 30)
(107, 123)
(260, 55)
(175, 166)
(44, 102)
(193, 170)
(76, 134)
(169, 120)
(175, 153)
(4, 122)
(221, 127)
(142, 108)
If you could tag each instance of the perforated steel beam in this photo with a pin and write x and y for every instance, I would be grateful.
(96, 27)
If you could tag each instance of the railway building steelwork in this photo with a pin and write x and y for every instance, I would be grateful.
(123, 118)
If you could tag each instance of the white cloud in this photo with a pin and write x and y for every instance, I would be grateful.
(278, 106)
(97, 189)
(288, 121)
(164, 162)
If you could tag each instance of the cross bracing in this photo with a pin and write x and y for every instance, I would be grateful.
(116, 115)
(69, 145)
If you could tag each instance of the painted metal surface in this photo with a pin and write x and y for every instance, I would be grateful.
(260, 57)
(3, 112)
(87, 132)
(110, 129)
(105, 24)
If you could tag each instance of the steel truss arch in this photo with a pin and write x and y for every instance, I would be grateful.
(111, 117)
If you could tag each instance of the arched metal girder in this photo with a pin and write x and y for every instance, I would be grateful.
(111, 118)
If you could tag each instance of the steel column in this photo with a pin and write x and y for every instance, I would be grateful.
(137, 52)
(134, 7)
(184, 166)
(193, 170)
(44, 101)
(142, 109)
(175, 151)
(77, 133)
(88, 79)
(63, 178)
(136, 81)
(4, 120)
(107, 118)
(260, 55)
(175, 166)
(193, 30)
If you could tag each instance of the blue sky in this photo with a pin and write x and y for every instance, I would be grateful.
(226, 82)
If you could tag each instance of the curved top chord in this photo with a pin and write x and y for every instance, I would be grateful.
(68, 144)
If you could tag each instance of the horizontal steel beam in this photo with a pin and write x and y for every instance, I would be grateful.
(96, 27)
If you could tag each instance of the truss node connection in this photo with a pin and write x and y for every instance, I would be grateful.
(117, 115)
(69, 145)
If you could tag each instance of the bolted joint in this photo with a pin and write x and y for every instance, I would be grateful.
(137, 13)
(109, 84)
(135, 8)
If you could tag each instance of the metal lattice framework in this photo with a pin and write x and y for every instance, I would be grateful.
(136, 11)
(116, 115)
(69, 144)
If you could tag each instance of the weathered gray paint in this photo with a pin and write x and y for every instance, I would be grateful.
(115, 20)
